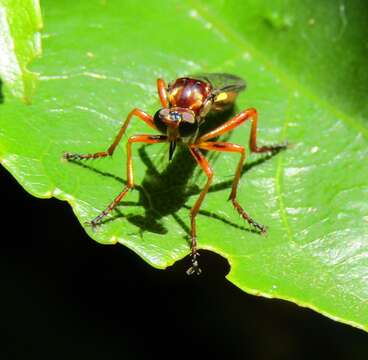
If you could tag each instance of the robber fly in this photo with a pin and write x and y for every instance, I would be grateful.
(186, 102)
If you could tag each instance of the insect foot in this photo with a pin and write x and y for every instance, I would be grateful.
(194, 269)
(71, 156)
(261, 228)
(93, 224)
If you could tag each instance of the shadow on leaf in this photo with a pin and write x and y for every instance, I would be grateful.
(164, 193)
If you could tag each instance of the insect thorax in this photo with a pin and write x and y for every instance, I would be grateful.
(189, 93)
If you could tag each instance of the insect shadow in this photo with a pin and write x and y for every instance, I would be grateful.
(164, 193)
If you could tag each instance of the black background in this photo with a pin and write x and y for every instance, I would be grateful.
(63, 295)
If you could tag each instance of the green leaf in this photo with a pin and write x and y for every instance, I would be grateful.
(20, 23)
(305, 65)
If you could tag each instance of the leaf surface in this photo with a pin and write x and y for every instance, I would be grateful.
(102, 58)
(20, 42)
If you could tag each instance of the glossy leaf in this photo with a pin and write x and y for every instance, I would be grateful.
(20, 23)
(102, 58)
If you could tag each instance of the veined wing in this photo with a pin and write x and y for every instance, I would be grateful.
(225, 88)
(222, 82)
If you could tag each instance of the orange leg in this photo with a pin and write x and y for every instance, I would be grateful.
(203, 163)
(139, 113)
(148, 139)
(228, 147)
(249, 114)
(162, 93)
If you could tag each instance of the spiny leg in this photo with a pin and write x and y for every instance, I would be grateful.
(249, 114)
(228, 147)
(137, 112)
(203, 163)
(148, 139)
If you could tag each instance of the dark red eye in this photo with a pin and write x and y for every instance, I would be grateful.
(188, 117)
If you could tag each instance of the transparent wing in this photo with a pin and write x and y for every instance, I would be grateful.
(222, 82)
(225, 89)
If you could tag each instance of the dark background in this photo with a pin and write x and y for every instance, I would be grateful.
(63, 295)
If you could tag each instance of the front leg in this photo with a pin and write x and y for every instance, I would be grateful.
(148, 139)
(203, 163)
(148, 119)
(162, 93)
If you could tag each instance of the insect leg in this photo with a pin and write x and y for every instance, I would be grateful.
(203, 163)
(249, 114)
(228, 147)
(162, 93)
(137, 112)
(148, 139)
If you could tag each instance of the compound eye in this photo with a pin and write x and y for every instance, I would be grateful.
(164, 113)
(158, 119)
(188, 117)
